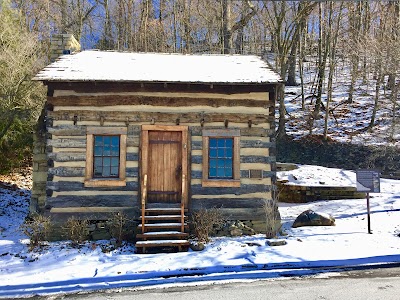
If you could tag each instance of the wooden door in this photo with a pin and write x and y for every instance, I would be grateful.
(165, 166)
(164, 160)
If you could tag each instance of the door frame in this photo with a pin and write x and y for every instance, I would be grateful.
(144, 151)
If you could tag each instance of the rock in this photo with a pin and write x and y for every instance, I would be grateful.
(273, 243)
(248, 231)
(236, 232)
(251, 244)
(311, 218)
(196, 246)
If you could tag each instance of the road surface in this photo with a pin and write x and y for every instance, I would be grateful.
(377, 284)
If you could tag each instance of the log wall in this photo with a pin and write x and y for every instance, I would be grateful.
(71, 112)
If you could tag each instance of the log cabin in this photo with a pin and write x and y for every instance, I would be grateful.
(156, 136)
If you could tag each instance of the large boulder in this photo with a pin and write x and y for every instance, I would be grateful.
(312, 218)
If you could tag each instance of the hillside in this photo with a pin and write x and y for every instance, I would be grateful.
(347, 121)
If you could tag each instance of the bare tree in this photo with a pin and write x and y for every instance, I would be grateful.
(334, 35)
(229, 28)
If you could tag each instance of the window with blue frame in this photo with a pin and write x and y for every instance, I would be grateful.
(106, 156)
(220, 160)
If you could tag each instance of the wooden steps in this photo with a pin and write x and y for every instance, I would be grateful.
(150, 226)
(162, 230)
(156, 235)
(163, 217)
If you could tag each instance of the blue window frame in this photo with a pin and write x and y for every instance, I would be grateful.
(220, 160)
(106, 160)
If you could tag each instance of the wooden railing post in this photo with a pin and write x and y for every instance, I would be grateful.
(144, 195)
(183, 198)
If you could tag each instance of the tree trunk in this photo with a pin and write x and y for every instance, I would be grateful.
(378, 84)
(281, 132)
(332, 42)
(322, 56)
(227, 27)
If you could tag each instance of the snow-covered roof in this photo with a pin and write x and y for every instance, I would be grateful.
(97, 65)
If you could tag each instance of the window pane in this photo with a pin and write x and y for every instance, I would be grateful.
(220, 173)
(114, 161)
(229, 163)
(106, 172)
(98, 171)
(98, 141)
(221, 153)
(221, 163)
(213, 153)
(221, 143)
(107, 150)
(212, 173)
(115, 141)
(114, 151)
(114, 171)
(107, 141)
(229, 152)
(213, 142)
(228, 173)
(98, 151)
(98, 162)
(106, 161)
(229, 143)
(212, 163)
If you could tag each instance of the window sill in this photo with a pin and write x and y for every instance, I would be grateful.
(221, 183)
(104, 182)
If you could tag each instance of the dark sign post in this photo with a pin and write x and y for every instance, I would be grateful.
(368, 181)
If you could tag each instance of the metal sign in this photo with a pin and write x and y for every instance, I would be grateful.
(368, 181)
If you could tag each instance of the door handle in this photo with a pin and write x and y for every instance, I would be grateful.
(178, 171)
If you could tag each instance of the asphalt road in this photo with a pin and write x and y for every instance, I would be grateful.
(379, 284)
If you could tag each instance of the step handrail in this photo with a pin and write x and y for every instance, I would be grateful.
(183, 198)
(144, 195)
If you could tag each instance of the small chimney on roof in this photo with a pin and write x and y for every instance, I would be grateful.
(63, 44)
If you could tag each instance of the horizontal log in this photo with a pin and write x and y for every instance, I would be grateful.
(117, 116)
(67, 143)
(67, 156)
(67, 172)
(198, 159)
(61, 215)
(80, 172)
(81, 156)
(256, 144)
(133, 141)
(253, 131)
(81, 130)
(197, 189)
(243, 174)
(205, 203)
(170, 101)
(92, 201)
(68, 186)
(198, 145)
(64, 130)
(119, 87)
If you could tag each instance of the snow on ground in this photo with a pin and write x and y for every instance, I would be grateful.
(318, 176)
(60, 268)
